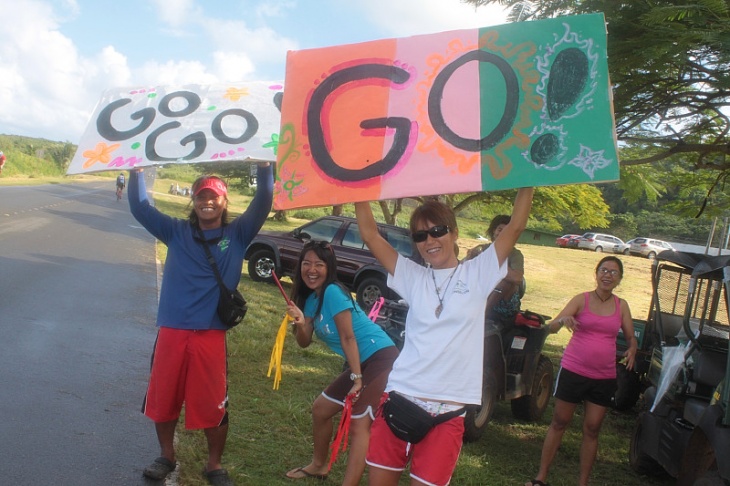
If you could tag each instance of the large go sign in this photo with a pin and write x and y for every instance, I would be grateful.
(510, 106)
(189, 124)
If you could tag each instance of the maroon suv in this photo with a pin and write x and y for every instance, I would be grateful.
(357, 268)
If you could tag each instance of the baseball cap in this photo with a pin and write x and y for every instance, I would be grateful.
(214, 184)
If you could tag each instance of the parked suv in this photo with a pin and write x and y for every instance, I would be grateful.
(601, 242)
(357, 268)
(649, 247)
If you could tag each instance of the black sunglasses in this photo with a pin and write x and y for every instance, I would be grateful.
(434, 231)
(315, 243)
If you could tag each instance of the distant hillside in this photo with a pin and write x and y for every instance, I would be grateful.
(35, 156)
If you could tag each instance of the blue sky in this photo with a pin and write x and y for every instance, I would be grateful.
(58, 56)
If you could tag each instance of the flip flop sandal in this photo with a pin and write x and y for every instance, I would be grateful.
(159, 469)
(307, 475)
(537, 482)
(218, 477)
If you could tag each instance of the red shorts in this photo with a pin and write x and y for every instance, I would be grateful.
(433, 460)
(188, 367)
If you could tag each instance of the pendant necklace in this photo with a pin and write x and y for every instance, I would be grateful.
(602, 299)
(440, 307)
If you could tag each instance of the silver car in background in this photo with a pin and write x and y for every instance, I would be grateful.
(649, 247)
(600, 242)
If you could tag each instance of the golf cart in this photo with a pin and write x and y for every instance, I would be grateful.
(685, 427)
(514, 367)
(670, 275)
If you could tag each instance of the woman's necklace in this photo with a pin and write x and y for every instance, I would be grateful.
(440, 307)
(601, 298)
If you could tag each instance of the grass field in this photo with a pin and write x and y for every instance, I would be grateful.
(270, 429)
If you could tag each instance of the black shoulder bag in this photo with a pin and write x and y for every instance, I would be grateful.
(232, 306)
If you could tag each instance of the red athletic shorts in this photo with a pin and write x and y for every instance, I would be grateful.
(188, 367)
(433, 460)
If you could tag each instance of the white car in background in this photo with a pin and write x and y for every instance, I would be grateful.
(649, 247)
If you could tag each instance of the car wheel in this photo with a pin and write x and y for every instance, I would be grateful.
(626, 251)
(370, 290)
(651, 255)
(599, 249)
(628, 390)
(531, 407)
(261, 264)
(477, 419)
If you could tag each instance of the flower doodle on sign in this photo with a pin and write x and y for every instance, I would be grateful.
(235, 94)
(102, 154)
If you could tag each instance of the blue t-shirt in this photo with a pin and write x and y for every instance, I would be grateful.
(189, 293)
(369, 336)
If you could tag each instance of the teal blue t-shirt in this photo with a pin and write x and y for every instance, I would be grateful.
(369, 336)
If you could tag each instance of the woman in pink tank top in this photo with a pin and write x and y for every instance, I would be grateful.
(588, 369)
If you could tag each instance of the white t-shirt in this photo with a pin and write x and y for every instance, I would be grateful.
(442, 357)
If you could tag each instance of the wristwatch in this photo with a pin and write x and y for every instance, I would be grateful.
(355, 376)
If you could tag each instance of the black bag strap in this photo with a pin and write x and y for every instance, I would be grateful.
(443, 417)
(211, 260)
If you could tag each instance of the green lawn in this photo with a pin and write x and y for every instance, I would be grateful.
(270, 429)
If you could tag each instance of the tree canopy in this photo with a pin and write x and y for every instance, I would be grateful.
(669, 62)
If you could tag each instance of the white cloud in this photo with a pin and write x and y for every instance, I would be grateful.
(411, 17)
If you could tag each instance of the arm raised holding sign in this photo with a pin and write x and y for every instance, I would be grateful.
(440, 366)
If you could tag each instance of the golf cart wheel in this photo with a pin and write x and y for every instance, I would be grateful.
(628, 388)
(477, 419)
(640, 461)
(531, 407)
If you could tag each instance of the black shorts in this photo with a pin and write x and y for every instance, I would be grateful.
(574, 388)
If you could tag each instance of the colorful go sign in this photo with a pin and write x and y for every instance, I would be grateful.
(522, 104)
(181, 124)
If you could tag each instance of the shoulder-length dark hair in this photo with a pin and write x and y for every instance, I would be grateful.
(496, 221)
(192, 216)
(300, 292)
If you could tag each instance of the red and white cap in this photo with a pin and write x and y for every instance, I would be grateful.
(214, 184)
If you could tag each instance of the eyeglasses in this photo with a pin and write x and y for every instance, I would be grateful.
(434, 231)
(606, 271)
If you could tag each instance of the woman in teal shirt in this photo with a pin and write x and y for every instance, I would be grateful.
(322, 306)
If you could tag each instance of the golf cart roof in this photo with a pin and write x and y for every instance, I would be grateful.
(697, 263)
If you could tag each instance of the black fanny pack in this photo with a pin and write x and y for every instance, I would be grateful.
(408, 421)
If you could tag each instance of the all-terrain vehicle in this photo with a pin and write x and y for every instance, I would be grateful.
(684, 429)
(514, 367)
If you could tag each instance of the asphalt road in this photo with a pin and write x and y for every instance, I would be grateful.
(78, 298)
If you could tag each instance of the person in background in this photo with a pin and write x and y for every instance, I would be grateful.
(505, 301)
(321, 305)
(2, 161)
(121, 183)
(439, 368)
(588, 368)
(189, 356)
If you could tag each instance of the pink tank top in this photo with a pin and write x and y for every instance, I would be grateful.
(591, 351)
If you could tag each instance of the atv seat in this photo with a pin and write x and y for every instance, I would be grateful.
(709, 367)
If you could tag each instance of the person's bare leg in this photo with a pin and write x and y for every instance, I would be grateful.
(323, 411)
(383, 477)
(358, 449)
(594, 415)
(562, 415)
(166, 438)
(216, 437)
